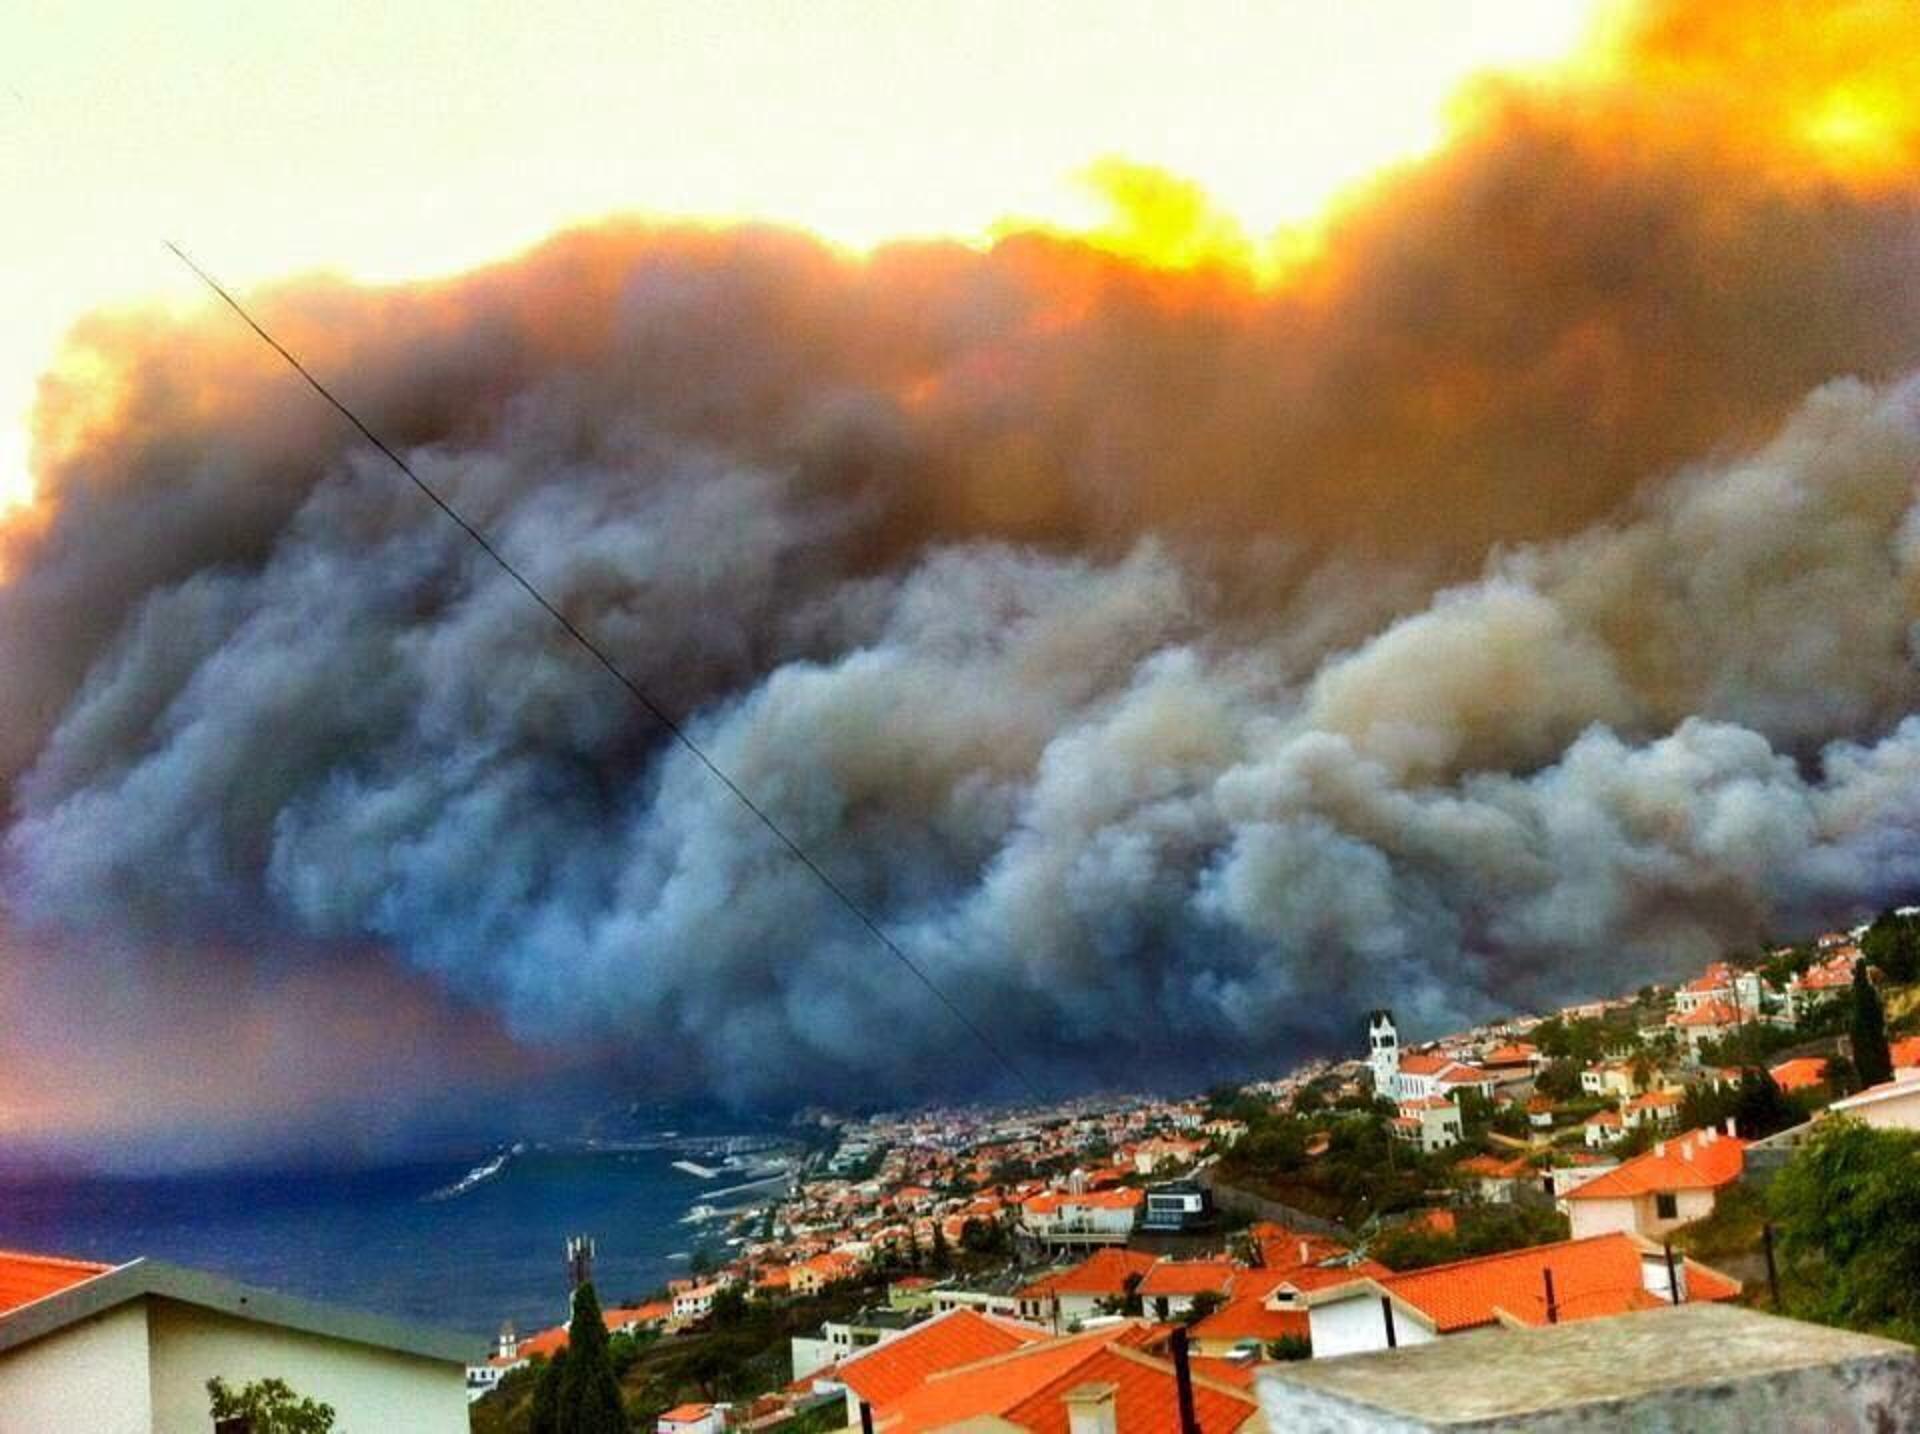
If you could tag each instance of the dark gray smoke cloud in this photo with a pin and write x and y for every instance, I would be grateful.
(1518, 606)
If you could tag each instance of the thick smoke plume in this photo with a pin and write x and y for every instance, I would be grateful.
(1514, 601)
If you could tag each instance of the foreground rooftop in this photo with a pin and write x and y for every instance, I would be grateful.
(1713, 1368)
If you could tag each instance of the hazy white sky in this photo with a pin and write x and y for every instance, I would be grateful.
(396, 140)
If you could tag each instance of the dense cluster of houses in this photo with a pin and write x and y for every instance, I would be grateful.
(1218, 1322)
(1087, 1300)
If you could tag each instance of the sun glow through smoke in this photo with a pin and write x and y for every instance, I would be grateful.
(408, 143)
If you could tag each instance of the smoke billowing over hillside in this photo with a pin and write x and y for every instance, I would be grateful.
(1511, 602)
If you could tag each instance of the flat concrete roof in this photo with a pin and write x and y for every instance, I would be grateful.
(1492, 1374)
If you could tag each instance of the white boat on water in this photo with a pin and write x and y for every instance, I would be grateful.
(705, 1172)
(479, 1175)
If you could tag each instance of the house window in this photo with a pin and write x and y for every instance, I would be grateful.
(1666, 1206)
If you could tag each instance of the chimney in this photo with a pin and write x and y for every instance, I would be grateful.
(1090, 1409)
(1686, 1148)
(1659, 1148)
(1183, 1381)
(1303, 1252)
(1733, 1130)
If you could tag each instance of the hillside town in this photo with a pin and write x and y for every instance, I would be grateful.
(1607, 1159)
(1680, 1202)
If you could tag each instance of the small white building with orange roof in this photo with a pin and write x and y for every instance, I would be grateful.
(1675, 1183)
(1582, 1278)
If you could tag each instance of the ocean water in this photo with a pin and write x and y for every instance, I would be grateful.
(377, 1240)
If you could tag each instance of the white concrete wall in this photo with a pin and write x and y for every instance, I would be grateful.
(371, 1390)
(1897, 1112)
(1356, 1325)
(1599, 1217)
(90, 1376)
(811, 1354)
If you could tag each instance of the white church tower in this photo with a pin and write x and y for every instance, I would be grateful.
(1383, 1053)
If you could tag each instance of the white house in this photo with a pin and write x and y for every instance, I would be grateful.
(1891, 1105)
(1610, 1274)
(1603, 1128)
(129, 1349)
(1676, 1182)
(1656, 1107)
(694, 1303)
(1421, 1076)
(1430, 1124)
(693, 1419)
(507, 1356)
(1095, 1217)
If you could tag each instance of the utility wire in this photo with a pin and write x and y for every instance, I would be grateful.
(613, 669)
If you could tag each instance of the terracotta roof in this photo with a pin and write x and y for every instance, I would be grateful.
(1708, 1013)
(1829, 975)
(1324, 1277)
(1599, 1275)
(1799, 1074)
(1519, 1053)
(963, 1336)
(1905, 1052)
(1656, 1100)
(1027, 1389)
(1104, 1272)
(1604, 1117)
(1491, 1167)
(1701, 1160)
(25, 1278)
(1049, 1201)
(1188, 1277)
(1145, 1397)
(1247, 1317)
(687, 1413)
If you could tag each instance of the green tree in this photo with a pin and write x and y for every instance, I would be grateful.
(1893, 944)
(1411, 1247)
(729, 1308)
(942, 1256)
(1848, 1207)
(983, 1237)
(1290, 1347)
(1273, 1145)
(1558, 1080)
(1204, 1304)
(545, 1415)
(1872, 1060)
(270, 1407)
(589, 1392)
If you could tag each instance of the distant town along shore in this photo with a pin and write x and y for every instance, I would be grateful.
(1610, 1158)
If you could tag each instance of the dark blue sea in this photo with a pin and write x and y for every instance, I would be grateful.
(378, 1240)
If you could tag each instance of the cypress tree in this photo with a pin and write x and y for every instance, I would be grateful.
(589, 1391)
(1872, 1060)
(942, 1257)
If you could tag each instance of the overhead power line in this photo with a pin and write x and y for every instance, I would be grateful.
(614, 670)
